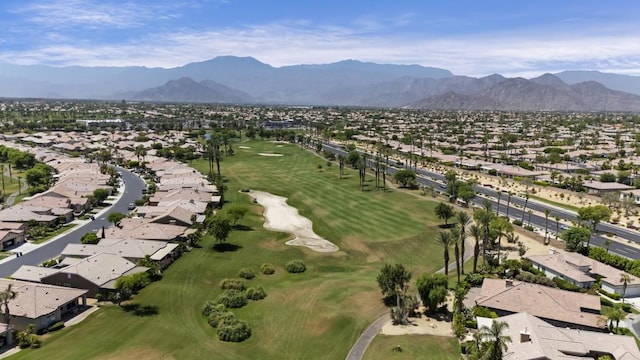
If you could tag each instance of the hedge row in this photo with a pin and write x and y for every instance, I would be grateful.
(618, 262)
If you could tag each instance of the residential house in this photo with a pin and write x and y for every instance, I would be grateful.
(582, 271)
(96, 274)
(41, 304)
(558, 307)
(535, 339)
(144, 229)
(133, 250)
(11, 234)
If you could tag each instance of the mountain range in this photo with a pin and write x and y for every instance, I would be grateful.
(245, 80)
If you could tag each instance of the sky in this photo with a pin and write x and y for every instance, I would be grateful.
(467, 37)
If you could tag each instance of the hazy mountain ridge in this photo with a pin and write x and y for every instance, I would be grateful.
(545, 93)
(231, 79)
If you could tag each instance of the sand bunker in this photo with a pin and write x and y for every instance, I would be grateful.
(269, 154)
(244, 147)
(279, 216)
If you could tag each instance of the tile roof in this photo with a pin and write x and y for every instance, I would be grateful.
(542, 301)
(34, 300)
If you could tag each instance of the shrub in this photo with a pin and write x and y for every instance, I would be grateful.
(535, 279)
(267, 269)
(233, 299)
(233, 284)
(296, 266)
(484, 312)
(247, 273)
(55, 327)
(210, 306)
(565, 285)
(474, 279)
(528, 227)
(236, 332)
(517, 222)
(256, 293)
(606, 302)
(245, 190)
(50, 263)
(614, 296)
(221, 317)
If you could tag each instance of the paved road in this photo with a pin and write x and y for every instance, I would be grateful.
(132, 191)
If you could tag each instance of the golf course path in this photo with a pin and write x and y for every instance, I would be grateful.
(360, 347)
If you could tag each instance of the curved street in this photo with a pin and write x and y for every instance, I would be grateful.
(132, 191)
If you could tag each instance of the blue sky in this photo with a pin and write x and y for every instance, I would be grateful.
(468, 37)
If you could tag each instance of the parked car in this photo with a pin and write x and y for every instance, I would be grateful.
(131, 206)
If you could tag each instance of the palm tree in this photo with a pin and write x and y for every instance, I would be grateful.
(455, 237)
(502, 226)
(484, 217)
(557, 219)
(625, 279)
(444, 238)
(140, 151)
(464, 219)
(498, 345)
(5, 297)
(508, 202)
(498, 207)
(614, 313)
(476, 233)
(546, 221)
(526, 200)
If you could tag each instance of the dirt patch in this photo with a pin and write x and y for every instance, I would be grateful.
(280, 216)
(318, 326)
(138, 354)
(355, 244)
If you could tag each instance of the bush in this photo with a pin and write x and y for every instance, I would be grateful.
(471, 323)
(267, 269)
(210, 306)
(535, 279)
(565, 285)
(296, 266)
(614, 296)
(484, 312)
(233, 284)
(606, 302)
(245, 190)
(55, 327)
(528, 227)
(474, 279)
(517, 222)
(236, 332)
(256, 293)
(247, 273)
(222, 317)
(50, 263)
(233, 299)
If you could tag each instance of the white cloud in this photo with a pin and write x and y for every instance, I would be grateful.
(93, 14)
(512, 54)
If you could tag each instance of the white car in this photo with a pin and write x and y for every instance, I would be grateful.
(131, 206)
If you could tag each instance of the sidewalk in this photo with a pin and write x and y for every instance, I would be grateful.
(27, 246)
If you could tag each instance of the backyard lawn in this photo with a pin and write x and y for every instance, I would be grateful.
(315, 315)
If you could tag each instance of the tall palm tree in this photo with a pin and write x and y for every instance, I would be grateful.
(498, 342)
(5, 298)
(455, 237)
(526, 200)
(508, 201)
(498, 207)
(625, 279)
(464, 219)
(546, 221)
(445, 239)
(484, 217)
(557, 219)
(502, 227)
(476, 233)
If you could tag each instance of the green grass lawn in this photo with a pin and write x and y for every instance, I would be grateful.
(315, 315)
(554, 203)
(413, 347)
